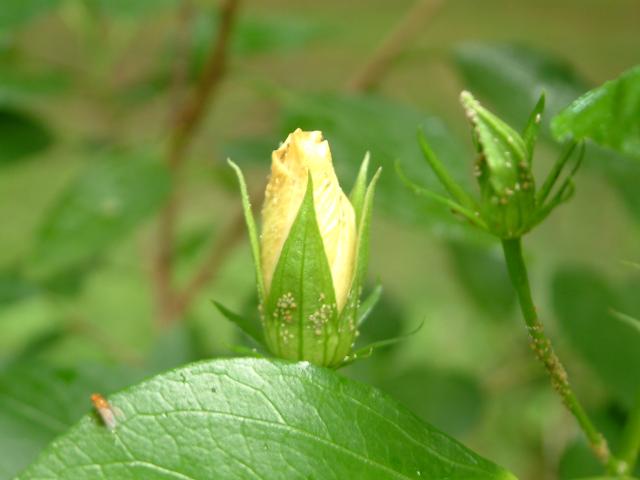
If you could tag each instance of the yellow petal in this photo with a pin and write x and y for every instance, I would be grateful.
(301, 153)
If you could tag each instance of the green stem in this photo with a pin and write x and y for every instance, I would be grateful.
(543, 350)
(631, 439)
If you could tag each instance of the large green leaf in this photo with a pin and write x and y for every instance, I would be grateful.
(354, 124)
(249, 418)
(608, 115)
(106, 201)
(585, 305)
(21, 135)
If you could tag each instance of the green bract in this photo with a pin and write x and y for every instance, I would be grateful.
(509, 204)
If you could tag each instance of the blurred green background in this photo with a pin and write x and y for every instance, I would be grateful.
(89, 91)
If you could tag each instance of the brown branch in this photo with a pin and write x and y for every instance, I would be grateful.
(186, 122)
(369, 75)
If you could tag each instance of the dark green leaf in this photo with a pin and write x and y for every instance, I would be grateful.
(452, 401)
(248, 418)
(104, 203)
(21, 135)
(356, 124)
(584, 304)
(609, 115)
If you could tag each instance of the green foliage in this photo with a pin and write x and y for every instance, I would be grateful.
(21, 135)
(608, 115)
(585, 304)
(289, 423)
(113, 195)
(15, 13)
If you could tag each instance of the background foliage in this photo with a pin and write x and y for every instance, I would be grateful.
(88, 95)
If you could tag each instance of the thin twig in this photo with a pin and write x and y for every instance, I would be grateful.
(370, 74)
(187, 119)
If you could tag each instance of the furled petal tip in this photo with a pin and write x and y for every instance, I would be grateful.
(301, 154)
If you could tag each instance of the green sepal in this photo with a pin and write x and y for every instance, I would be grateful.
(252, 230)
(356, 197)
(530, 133)
(456, 191)
(502, 146)
(367, 351)
(249, 326)
(300, 314)
(348, 316)
(367, 306)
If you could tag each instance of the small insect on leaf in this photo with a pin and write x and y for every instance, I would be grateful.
(104, 409)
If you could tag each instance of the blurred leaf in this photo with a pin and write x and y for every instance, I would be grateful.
(21, 135)
(583, 302)
(262, 34)
(18, 84)
(452, 401)
(621, 172)
(608, 115)
(512, 77)
(354, 124)
(386, 320)
(112, 196)
(14, 287)
(483, 274)
(15, 13)
(258, 418)
(38, 402)
(127, 8)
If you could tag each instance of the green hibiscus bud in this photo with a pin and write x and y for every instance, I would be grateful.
(509, 205)
(503, 170)
(312, 253)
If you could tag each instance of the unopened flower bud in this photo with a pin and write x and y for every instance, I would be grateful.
(503, 171)
(311, 257)
(304, 155)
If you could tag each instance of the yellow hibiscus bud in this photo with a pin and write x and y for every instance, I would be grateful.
(304, 155)
(312, 255)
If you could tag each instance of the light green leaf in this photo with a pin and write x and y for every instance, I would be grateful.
(249, 418)
(583, 302)
(368, 305)
(21, 135)
(609, 115)
(112, 196)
